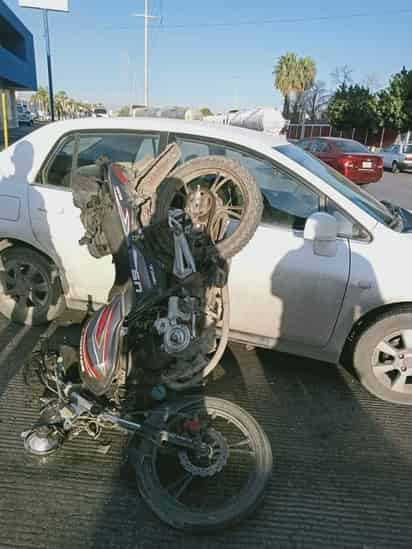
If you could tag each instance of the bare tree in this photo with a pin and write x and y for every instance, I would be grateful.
(373, 82)
(342, 76)
(316, 100)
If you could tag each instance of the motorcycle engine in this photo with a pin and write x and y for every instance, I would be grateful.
(178, 328)
(177, 343)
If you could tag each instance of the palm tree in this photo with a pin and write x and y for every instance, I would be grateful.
(293, 76)
(306, 74)
(286, 78)
(61, 101)
(41, 98)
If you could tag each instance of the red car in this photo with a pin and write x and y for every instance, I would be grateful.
(351, 158)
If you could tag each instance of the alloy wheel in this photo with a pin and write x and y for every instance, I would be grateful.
(392, 361)
(27, 285)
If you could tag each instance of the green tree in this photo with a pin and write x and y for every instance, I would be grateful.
(41, 98)
(286, 78)
(293, 76)
(306, 74)
(124, 111)
(353, 106)
(395, 102)
(206, 111)
(61, 101)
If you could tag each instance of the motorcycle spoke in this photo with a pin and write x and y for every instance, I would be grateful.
(217, 185)
(177, 487)
(244, 442)
(242, 451)
(239, 447)
(232, 211)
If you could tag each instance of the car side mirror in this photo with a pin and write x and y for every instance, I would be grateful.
(322, 230)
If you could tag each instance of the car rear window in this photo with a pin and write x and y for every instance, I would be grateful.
(408, 149)
(351, 147)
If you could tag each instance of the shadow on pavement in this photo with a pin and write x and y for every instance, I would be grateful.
(16, 343)
(342, 468)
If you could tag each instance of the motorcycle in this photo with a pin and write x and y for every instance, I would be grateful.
(171, 230)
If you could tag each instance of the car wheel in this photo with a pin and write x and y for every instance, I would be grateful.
(382, 357)
(31, 292)
(395, 167)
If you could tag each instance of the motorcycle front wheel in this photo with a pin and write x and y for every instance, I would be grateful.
(220, 195)
(217, 488)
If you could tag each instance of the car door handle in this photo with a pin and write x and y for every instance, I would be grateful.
(364, 284)
(43, 210)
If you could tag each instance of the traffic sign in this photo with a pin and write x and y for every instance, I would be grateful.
(51, 5)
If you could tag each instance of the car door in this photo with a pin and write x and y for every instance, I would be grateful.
(279, 288)
(391, 156)
(56, 221)
(327, 153)
(398, 153)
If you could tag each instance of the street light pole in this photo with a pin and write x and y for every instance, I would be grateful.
(49, 65)
(146, 52)
(146, 47)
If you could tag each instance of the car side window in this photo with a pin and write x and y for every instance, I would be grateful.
(78, 154)
(122, 148)
(323, 147)
(287, 200)
(314, 147)
(60, 167)
(347, 228)
(305, 144)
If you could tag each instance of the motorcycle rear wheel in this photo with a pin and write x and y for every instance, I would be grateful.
(170, 483)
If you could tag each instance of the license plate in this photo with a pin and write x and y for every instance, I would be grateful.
(367, 164)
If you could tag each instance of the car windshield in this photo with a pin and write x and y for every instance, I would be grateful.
(408, 149)
(351, 191)
(100, 111)
(351, 147)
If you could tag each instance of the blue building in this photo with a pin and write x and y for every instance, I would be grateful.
(17, 62)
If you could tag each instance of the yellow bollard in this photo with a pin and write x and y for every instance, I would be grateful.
(5, 128)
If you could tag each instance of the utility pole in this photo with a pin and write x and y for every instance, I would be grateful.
(46, 6)
(49, 65)
(146, 17)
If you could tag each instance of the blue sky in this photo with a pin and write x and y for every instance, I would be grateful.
(98, 48)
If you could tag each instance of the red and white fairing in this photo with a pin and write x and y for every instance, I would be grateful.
(100, 346)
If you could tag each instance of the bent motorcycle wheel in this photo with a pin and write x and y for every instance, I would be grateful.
(231, 202)
(196, 495)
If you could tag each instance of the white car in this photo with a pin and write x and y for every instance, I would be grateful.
(100, 112)
(24, 116)
(397, 157)
(327, 275)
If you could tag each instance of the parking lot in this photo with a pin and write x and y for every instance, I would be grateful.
(342, 459)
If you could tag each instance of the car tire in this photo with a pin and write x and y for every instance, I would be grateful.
(382, 356)
(31, 292)
(395, 167)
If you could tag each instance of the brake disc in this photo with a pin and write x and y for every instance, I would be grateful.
(212, 462)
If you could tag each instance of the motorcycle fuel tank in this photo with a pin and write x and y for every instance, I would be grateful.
(100, 346)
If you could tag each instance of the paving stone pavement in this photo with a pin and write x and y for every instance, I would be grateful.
(342, 465)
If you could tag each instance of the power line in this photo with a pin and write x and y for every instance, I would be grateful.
(259, 22)
(292, 20)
